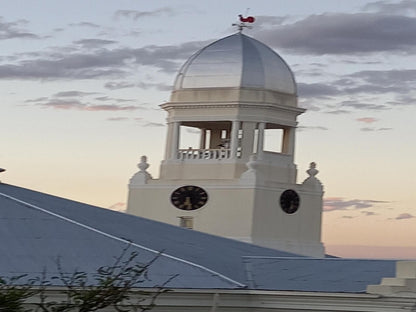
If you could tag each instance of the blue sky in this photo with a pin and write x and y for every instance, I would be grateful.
(81, 83)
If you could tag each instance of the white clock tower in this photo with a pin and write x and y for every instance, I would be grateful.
(240, 181)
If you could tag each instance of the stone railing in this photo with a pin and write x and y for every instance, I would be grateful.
(222, 153)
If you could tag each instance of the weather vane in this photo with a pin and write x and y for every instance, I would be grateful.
(243, 22)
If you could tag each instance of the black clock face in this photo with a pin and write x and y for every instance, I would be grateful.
(189, 197)
(289, 201)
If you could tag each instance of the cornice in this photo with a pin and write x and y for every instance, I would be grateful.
(223, 105)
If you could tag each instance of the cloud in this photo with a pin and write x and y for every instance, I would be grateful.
(396, 79)
(403, 216)
(102, 63)
(142, 85)
(158, 86)
(110, 107)
(356, 91)
(118, 85)
(107, 98)
(68, 104)
(317, 90)
(338, 112)
(368, 129)
(302, 128)
(72, 93)
(40, 99)
(94, 43)
(14, 30)
(135, 15)
(368, 213)
(368, 120)
(72, 67)
(64, 104)
(401, 7)
(363, 106)
(154, 124)
(85, 24)
(348, 34)
(338, 203)
(117, 118)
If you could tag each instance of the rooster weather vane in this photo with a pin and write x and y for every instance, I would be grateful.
(243, 22)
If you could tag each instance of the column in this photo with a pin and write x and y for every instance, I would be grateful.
(288, 142)
(175, 140)
(203, 139)
(247, 142)
(234, 138)
(168, 141)
(260, 140)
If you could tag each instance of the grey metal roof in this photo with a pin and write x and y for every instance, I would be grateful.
(324, 275)
(236, 61)
(36, 229)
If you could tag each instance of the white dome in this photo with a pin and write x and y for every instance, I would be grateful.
(236, 61)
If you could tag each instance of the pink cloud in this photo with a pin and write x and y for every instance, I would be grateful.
(339, 203)
(404, 216)
(367, 120)
(109, 108)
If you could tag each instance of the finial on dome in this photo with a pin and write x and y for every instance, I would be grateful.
(242, 22)
(143, 165)
(141, 177)
(312, 171)
(312, 181)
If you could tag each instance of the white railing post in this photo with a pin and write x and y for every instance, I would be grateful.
(200, 154)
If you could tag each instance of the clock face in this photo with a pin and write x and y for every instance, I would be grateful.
(289, 201)
(189, 197)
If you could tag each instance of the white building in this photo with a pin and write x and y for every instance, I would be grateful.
(240, 181)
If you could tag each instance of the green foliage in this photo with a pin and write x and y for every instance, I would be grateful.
(110, 286)
(12, 296)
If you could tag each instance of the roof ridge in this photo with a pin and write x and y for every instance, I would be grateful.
(123, 240)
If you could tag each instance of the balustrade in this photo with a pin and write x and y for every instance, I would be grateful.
(190, 153)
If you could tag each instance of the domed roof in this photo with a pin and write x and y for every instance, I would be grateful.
(236, 61)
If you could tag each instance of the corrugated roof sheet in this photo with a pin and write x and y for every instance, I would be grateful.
(36, 229)
(323, 275)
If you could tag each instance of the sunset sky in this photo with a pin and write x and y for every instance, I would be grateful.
(81, 83)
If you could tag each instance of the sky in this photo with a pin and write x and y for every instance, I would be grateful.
(81, 83)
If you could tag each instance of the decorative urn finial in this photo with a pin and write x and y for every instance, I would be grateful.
(143, 165)
(312, 181)
(141, 177)
(312, 171)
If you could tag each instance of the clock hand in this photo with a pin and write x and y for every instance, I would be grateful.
(188, 203)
